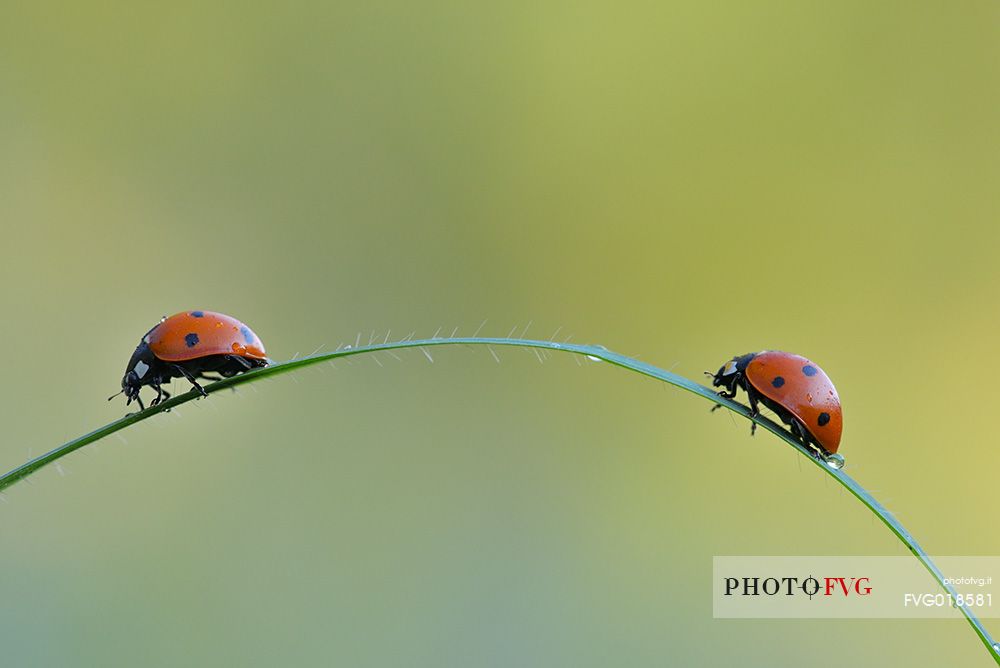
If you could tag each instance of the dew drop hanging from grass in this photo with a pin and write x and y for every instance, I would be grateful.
(596, 359)
(836, 461)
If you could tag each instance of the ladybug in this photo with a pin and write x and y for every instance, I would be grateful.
(797, 390)
(189, 344)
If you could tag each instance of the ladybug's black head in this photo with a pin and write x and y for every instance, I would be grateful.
(730, 373)
(142, 370)
(726, 376)
(130, 386)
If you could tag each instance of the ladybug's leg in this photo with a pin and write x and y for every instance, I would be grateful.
(187, 374)
(799, 430)
(754, 411)
(236, 365)
(239, 360)
(161, 395)
(798, 433)
(722, 393)
(205, 376)
(727, 394)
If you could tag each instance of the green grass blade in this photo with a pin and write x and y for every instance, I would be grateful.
(592, 351)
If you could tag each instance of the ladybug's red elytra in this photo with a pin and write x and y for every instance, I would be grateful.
(797, 390)
(188, 345)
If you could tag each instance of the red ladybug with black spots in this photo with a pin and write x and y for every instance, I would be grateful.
(797, 390)
(191, 344)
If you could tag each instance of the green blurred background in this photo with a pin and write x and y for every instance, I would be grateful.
(680, 181)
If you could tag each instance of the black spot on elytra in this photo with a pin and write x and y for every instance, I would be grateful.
(247, 334)
(191, 340)
(823, 419)
(198, 314)
(809, 370)
(778, 381)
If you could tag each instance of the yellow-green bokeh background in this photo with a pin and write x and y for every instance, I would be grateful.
(680, 181)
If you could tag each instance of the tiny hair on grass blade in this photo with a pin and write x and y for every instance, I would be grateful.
(591, 351)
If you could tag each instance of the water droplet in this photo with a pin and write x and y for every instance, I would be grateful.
(996, 647)
(835, 461)
(596, 359)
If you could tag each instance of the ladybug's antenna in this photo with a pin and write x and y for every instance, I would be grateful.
(116, 394)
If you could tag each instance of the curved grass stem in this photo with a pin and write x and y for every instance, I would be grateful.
(590, 351)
